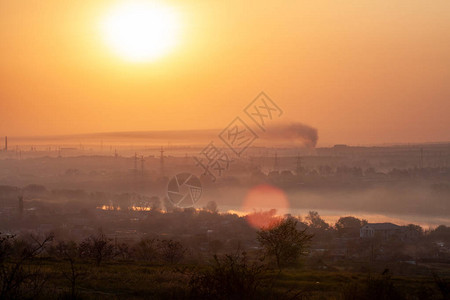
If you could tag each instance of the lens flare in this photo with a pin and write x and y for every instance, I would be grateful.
(266, 203)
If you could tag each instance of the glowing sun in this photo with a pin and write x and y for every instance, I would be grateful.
(141, 31)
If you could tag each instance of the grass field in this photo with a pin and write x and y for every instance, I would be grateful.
(140, 280)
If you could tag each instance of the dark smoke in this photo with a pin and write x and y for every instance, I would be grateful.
(293, 132)
(290, 134)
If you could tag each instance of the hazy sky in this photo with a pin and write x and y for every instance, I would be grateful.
(359, 71)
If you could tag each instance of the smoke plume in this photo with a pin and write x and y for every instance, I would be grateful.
(293, 132)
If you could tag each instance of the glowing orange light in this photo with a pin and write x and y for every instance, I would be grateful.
(141, 30)
(265, 201)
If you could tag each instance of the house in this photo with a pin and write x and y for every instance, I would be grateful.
(384, 230)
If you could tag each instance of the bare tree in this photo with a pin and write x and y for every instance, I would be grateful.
(14, 255)
(123, 251)
(69, 251)
(231, 276)
(171, 251)
(146, 249)
(284, 242)
(98, 247)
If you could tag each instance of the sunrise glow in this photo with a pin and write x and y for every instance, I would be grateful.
(141, 31)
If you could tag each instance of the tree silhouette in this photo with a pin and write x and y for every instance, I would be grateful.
(97, 247)
(284, 242)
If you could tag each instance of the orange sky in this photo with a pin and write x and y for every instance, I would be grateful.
(361, 71)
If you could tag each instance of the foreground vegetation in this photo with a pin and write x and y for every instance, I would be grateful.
(43, 268)
(141, 280)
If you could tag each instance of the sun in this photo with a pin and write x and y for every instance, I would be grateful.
(141, 31)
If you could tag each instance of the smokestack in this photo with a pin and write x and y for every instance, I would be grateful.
(6, 143)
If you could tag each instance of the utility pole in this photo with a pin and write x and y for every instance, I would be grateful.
(20, 198)
(299, 165)
(275, 164)
(421, 158)
(161, 161)
(142, 164)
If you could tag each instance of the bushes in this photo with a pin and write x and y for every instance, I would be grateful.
(230, 277)
(377, 288)
(170, 251)
(98, 247)
(146, 249)
(235, 276)
(154, 250)
(443, 286)
(69, 251)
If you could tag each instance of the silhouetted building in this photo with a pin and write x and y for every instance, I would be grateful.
(385, 230)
